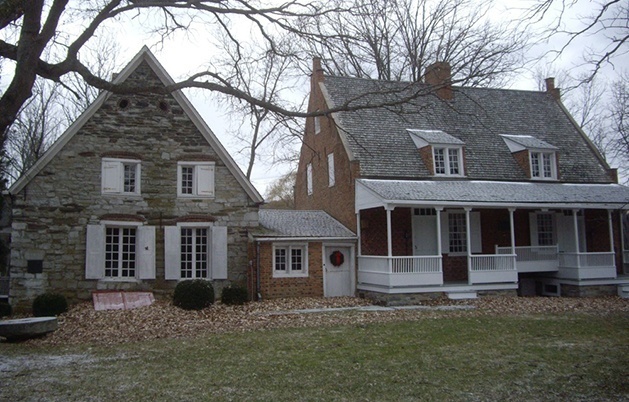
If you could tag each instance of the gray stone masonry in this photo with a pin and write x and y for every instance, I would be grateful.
(51, 213)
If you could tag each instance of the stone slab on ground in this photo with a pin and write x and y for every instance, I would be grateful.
(26, 328)
(118, 300)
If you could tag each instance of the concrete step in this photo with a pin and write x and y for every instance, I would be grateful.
(623, 290)
(462, 295)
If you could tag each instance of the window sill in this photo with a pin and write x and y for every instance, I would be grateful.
(194, 197)
(300, 275)
(120, 280)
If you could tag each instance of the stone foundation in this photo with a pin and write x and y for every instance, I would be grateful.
(401, 299)
(588, 291)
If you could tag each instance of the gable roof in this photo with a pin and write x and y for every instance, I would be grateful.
(378, 137)
(144, 55)
(291, 224)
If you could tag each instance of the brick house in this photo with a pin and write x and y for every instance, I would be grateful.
(135, 195)
(302, 254)
(462, 191)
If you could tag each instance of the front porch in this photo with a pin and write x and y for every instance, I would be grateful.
(417, 246)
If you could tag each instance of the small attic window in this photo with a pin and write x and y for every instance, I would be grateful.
(441, 152)
(536, 157)
(123, 103)
(163, 106)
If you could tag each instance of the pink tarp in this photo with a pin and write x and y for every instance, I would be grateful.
(116, 300)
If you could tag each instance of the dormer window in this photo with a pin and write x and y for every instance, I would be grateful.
(441, 152)
(543, 165)
(536, 157)
(447, 161)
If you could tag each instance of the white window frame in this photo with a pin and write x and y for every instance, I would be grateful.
(538, 172)
(534, 223)
(290, 272)
(309, 178)
(317, 124)
(217, 250)
(448, 167)
(118, 256)
(203, 179)
(113, 176)
(194, 253)
(331, 176)
(95, 256)
(463, 246)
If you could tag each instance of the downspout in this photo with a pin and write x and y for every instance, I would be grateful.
(258, 271)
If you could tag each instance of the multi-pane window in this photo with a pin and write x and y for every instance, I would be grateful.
(194, 253)
(309, 178)
(447, 161)
(120, 176)
(120, 252)
(317, 124)
(195, 179)
(545, 230)
(129, 170)
(457, 232)
(289, 260)
(542, 165)
(331, 176)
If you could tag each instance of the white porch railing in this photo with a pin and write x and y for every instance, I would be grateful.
(402, 271)
(587, 265)
(492, 268)
(534, 258)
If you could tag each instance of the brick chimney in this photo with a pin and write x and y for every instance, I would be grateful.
(550, 88)
(439, 76)
(317, 72)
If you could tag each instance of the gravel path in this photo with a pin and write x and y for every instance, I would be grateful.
(82, 324)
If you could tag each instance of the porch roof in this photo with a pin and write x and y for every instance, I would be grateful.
(372, 193)
(300, 224)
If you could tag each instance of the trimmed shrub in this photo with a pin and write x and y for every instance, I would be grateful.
(195, 294)
(5, 309)
(49, 304)
(234, 295)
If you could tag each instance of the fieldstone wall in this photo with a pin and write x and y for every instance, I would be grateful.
(51, 213)
(588, 291)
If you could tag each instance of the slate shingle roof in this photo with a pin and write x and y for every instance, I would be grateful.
(291, 223)
(477, 116)
(496, 193)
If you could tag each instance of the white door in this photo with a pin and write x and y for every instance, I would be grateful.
(338, 271)
(424, 235)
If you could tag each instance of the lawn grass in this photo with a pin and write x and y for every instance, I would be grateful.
(566, 357)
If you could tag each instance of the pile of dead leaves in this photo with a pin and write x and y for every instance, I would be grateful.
(82, 324)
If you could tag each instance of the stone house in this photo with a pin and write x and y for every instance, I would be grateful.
(302, 254)
(462, 191)
(135, 195)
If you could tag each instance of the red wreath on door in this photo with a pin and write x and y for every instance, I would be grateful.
(337, 258)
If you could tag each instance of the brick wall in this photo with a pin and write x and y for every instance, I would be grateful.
(310, 286)
(337, 200)
(51, 213)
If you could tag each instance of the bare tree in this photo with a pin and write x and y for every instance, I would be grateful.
(604, 25)
(38, 124)
(619, 116)
(35, 40)
(281, 192)
(265, 75)
(397, 39)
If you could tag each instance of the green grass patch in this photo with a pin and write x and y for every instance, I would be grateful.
(561, 357)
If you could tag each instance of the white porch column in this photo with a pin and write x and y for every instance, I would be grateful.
(575, 222)
(468, 239)
(389, 239)
(511, 211)
(358, 234)
(611, 230)
(439, 245)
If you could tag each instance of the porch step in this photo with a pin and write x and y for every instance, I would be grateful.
(461, 295)
(623, 291)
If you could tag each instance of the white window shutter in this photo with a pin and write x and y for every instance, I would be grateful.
(205, 180)
(475, 232)
(111, 177)
(219, 252)
(146, 252)
(331, 178)
(172, 252)
(95, 252)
